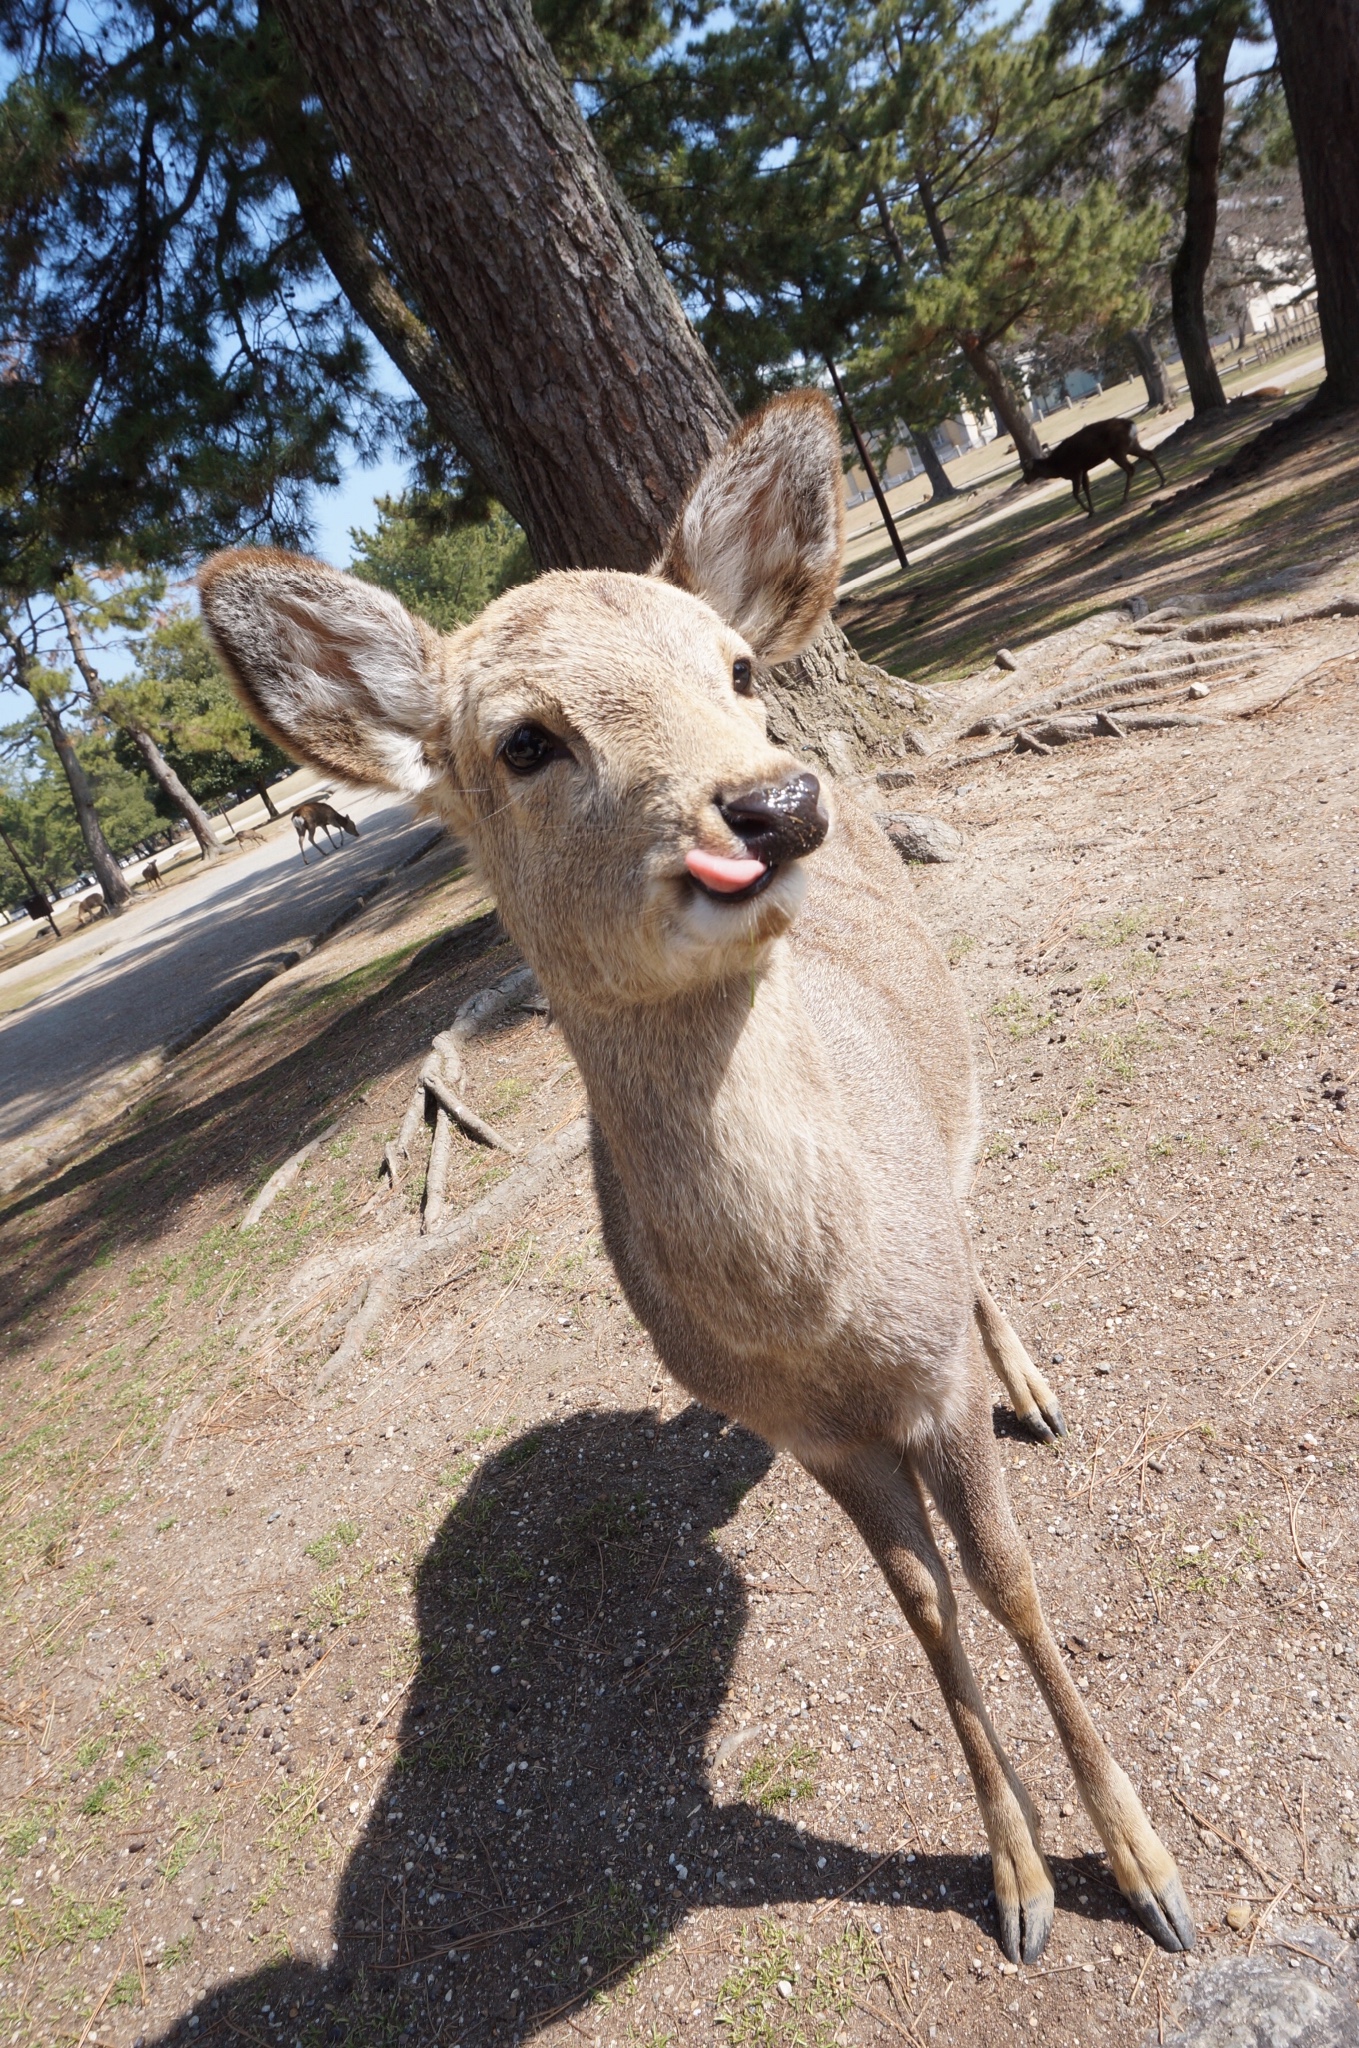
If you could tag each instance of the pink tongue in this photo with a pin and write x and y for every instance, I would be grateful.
(715, 871)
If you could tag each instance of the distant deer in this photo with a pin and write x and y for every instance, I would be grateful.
(1101, 441)
(783, 1104)
(151, 873)
(308, 820)
(89, 907)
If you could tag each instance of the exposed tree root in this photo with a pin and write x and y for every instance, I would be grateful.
(393, 1284)
(283, 1177)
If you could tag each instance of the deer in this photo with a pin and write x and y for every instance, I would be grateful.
(308, 819)
(89, 907)
(783, 1107)
(1101, 441)
(151, 873)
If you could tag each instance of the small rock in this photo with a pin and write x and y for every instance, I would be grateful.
(1138, 607)
(1237, 1916)
(918, 837)
(784, 1988)
(895, 778)
(1006, 660)
(1197, 691)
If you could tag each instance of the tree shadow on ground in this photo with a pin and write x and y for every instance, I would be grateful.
(179, 1152)
(548, 1820)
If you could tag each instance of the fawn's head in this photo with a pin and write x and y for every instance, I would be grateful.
(596, 738)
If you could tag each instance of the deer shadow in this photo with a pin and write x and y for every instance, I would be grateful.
(548, 1821)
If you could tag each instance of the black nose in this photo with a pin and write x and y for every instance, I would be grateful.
(780, 821)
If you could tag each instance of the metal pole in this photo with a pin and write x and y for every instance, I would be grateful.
(867, 460)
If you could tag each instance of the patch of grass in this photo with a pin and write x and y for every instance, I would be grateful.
(959, 946)
(1119, 1051)
(98, 1801)
(326, 1550)
(75, 1920)
(1108, 1168)
(816, 1997)
(341, 1602)
(1021, 1015)
(506, 1096)
(772, 1778)
(1119, 929)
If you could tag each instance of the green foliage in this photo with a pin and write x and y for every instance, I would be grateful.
(181, 697)
(178, 365)
(37, 813)
(904, 189)
(444, 577)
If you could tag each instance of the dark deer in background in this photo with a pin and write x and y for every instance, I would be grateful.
(309, 818)
(1102, 441)
(151, 873)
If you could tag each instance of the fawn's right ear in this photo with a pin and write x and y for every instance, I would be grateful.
(335, 670)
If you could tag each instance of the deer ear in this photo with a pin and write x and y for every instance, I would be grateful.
(335, 670)
(763, 533)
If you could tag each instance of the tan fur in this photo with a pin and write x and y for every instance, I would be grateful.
(784, 1111)
(309, 819)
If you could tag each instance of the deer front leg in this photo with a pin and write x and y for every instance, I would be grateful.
(1036, 1407)
(963, 1473)
(1128, 469)
(881, 1495)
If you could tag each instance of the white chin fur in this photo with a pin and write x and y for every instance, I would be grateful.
(707, 927)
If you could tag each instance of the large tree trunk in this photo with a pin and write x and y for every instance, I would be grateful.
(537, 276)
(544, 291)
(1150, 368)
(1319, 57)
(159, 769)
(304, 155)
(941, 483)
(116, 891)
(1203, 156)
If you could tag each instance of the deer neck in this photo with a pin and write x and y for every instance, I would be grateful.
(718, 1115)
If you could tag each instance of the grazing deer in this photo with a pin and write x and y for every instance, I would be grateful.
(308, 820)
(783, 1106)
(151, 873)
(89, 907)
(1101, 441)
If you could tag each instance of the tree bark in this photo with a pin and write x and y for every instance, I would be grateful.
(1001, 397)
(158, 768)
(304, 156)
(183, 798)
(941, 483)
(548, 299)
(102, 859)
(538, 278)
(1150, 368)
(1318, 43)
(262, 793)
(1203, 157)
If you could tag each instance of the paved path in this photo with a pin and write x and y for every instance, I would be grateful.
(176, 960)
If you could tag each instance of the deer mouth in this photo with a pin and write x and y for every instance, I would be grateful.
(726, 880)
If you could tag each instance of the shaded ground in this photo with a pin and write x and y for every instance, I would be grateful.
(85, 1020)
(1041, 572)
(481, 1690)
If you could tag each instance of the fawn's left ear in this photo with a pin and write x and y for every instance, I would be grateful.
(336, 670)
(763, 533)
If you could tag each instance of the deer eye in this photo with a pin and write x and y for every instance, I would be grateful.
(741, 680)
(529, 748)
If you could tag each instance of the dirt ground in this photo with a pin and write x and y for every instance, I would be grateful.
(468, 1685)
